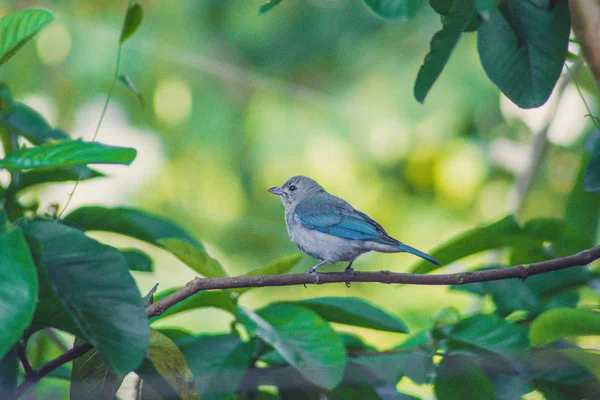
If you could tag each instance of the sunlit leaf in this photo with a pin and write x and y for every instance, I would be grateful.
(522, 47)
(137, 260)
(18, 27)
(302, 337)
(399, 10)
(442, 44)
(194, 257)
(170, 363)
(559, 323)
(277, 267)
(133, 19)
(67, 153)
(354, 311)
(589, 360)
(18, 285)
(88, 278)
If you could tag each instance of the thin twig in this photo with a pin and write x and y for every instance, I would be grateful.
(199, 284)
(29, 372)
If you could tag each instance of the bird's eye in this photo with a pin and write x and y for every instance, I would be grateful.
(292, 188)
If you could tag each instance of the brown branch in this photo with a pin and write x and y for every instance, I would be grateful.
(520, 271)
(199, 284)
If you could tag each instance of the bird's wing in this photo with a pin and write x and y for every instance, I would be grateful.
(333, 216)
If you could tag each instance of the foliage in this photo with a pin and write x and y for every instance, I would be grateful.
(55, 275)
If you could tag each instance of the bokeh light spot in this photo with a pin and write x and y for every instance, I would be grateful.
(172, 100)
(53, 44)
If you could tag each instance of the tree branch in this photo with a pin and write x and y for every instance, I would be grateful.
(520, 271)
(199, 284)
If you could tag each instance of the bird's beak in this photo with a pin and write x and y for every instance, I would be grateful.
(276, 190)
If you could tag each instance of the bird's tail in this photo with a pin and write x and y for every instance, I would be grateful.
(412, 250)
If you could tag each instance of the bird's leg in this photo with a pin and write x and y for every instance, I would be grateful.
(313, 271)
(350, 270)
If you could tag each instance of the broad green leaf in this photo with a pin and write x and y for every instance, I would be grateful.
(503, 233)
(133, 19)
(67, 153)
(126, 80)
(354, 311)
(390, 367)
(559, 323)
(206, 298)
(591, 180)
(277, 267)
(18, 285)
(442, 44)
(398, 10)
(92, 379)
(441, 7)
(488, 333)
(522, 47)
(40, 176)
(175, 334)
(460, 377)
(268, 5)
(583, 208)
(149, 228)
(31, 125)
(302, 337)
(354, 342)
(589, 360)
(9, 372)
(89, 278)
(171, 364)
(486, 7)
(17, 28)
(137, 260)
(219, 363)
(194, 257)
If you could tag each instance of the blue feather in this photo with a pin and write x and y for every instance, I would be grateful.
(416, 252)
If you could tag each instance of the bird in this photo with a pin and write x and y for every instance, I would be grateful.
(329, 229)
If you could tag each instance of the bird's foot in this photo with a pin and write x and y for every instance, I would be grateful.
(350, 270)
(317, 277)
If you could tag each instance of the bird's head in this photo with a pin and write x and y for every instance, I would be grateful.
(296, 189)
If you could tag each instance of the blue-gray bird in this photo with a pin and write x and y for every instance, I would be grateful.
(329, 229)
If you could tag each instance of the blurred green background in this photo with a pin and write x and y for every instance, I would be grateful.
(236, 103)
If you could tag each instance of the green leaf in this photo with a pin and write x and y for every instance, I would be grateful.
(277, 267)
(149, 228)
(503, 233)
(207, 298)
(171, 364)
(17, 28)
(486, 7)
(89, 278)
(591, 180)
(67, 153)
(559, 323)
(589, 360)
(175, 334)
(39, 176)
(18, 286)
(354, 311)
(398, 10)
(31, 125)
(133, 19)
(194, 257)
(391, 367)
(441, 7)
(92, 379)
(442, 44)
(267, 6)
(489, 334)
(460, 377)
(149, 297)
(302, 337)
(9, 372)
(126, 80)
(219, 363)
(137, 260)
(522, 47)
(583, 208)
